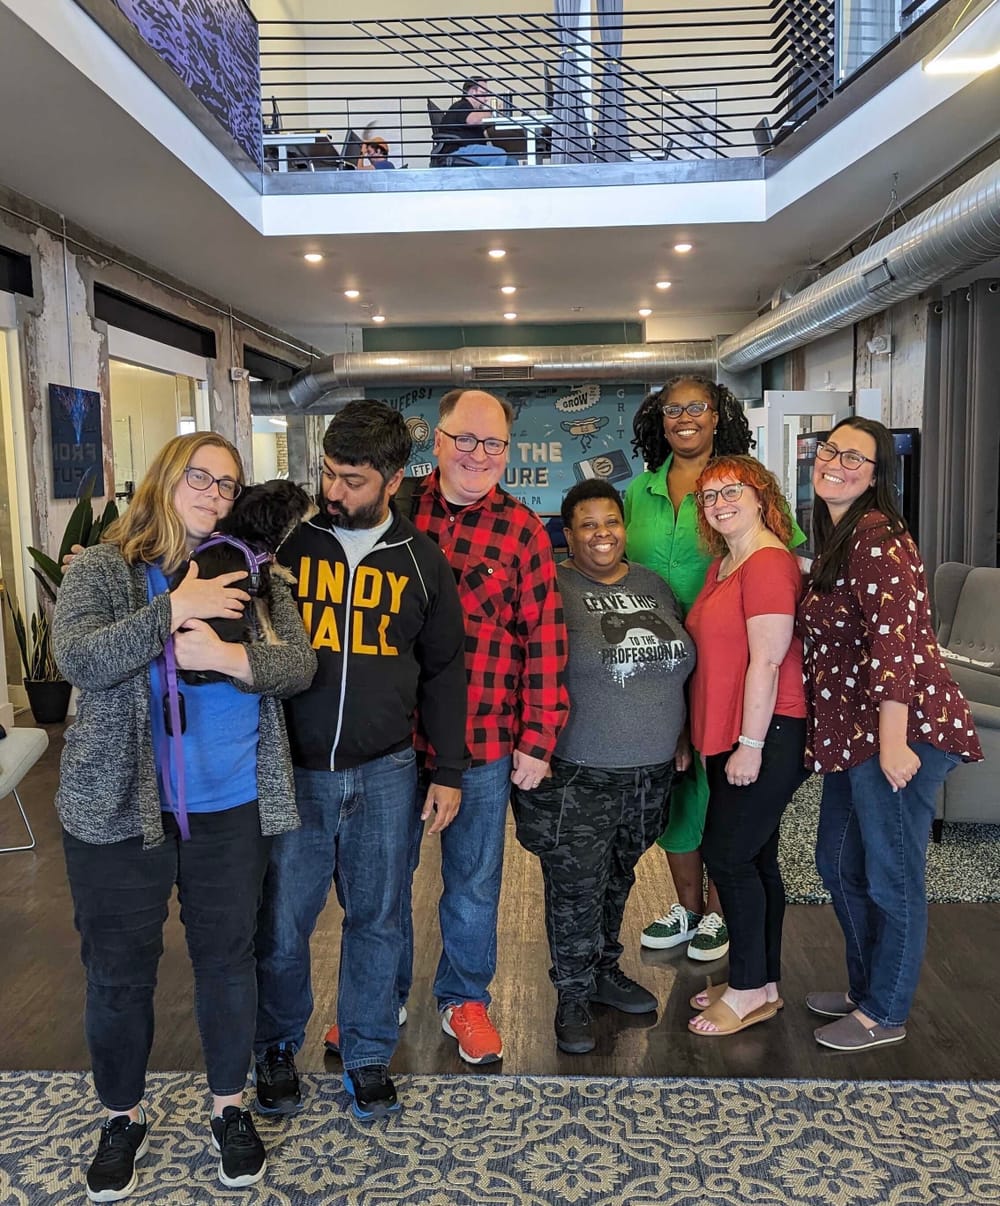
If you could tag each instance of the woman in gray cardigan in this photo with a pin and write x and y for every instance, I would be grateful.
(143, 810)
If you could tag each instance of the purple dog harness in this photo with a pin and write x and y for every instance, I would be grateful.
(174, 751)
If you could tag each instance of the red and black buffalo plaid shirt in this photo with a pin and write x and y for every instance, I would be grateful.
(515, 637)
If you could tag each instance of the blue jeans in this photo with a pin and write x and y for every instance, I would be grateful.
(471, 864)
(356, 826)
(485, 153)
(871, 853)
(120, 900)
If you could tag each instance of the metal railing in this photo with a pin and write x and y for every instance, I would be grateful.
(694, 83)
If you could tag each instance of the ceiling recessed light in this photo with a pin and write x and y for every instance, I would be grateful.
(683, 247)
(496, 253)
(663, 284)
(645, 312)
(352, 293)
(378, 318)
(510, 315)
(313, 257)
(508, 288)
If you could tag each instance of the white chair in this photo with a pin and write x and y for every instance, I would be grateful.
(19, 751)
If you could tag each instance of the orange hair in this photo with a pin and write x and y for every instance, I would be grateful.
(749, 471)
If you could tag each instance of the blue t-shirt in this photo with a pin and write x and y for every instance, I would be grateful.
(219, 739)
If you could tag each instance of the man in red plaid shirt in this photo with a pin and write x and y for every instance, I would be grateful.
(515, 653)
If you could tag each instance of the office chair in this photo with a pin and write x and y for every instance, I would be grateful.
(445, 150)
(762, 136)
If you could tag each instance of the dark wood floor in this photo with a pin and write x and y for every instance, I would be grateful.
(954, 1031)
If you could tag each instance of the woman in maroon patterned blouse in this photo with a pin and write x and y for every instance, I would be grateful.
(886, 725)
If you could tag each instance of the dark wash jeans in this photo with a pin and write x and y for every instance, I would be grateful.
(120, 897)
(872, 854)
(740, 849)
(589, 826)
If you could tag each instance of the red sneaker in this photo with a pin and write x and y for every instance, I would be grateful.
(478, 1040)
(332, 1038)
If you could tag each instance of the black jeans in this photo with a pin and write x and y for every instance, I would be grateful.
(120, 897)
(740, 849)
(589, 828)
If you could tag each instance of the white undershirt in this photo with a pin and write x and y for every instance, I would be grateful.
(357, 543)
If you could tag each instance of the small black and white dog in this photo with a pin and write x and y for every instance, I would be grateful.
(261, 520)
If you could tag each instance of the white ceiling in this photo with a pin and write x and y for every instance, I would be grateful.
(67, 146)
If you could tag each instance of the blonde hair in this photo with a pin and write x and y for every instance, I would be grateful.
(151, 530)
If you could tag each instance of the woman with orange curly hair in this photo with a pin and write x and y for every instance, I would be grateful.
(748, 713)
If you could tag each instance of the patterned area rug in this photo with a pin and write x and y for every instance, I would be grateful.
(964, 866)
(536, 1141)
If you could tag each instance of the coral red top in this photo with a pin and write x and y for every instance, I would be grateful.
(767, 583)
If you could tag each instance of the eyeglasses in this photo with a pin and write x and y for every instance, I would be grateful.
(469, 443)
(849, 459)
(730, 493)
(198, 479)
(673, 411)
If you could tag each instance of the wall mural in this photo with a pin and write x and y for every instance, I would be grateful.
(212, 45)
(562, 434)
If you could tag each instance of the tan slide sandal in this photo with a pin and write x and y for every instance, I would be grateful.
(727, 1021)
(714, 991)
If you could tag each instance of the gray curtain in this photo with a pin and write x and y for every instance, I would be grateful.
(960, 477)
(570, 134)
(611, 137)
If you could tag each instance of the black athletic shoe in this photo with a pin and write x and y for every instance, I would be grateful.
(574, 1028)
(278, 1089)
(112, 1174)
(372, 1091)
(243, 1159)
(616, 989)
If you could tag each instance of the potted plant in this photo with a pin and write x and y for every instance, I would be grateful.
(48, 692)
(82, 528)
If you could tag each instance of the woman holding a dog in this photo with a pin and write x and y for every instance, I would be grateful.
(144, 807)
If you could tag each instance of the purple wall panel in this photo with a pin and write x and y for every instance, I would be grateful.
(212, 46)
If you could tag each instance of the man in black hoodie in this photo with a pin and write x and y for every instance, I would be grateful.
(380, 604)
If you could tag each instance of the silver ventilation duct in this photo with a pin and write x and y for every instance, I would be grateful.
(957, 233)
(484, 367)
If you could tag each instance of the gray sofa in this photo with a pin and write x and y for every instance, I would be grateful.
(967, 607)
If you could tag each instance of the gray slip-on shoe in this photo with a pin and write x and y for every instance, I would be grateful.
(849, 1034)
(830, 1004)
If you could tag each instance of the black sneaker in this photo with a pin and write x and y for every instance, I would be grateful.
(277, 1081)
(372, 1091)
(574, 1027)
(244, 1160)
(616, 989)
(112, 1174)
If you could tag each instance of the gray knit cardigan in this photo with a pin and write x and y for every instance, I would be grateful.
(105, 634)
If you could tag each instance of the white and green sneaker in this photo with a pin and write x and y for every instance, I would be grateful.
(671, 929)
(711, 939)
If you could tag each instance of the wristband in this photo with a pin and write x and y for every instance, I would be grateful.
(751, 742)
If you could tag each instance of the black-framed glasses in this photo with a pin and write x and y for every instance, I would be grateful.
(731, 493)
(200, 479)
(469, 443)
(673, 411)
(849, 459)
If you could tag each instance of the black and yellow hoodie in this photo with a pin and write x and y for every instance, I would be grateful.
(390, 640)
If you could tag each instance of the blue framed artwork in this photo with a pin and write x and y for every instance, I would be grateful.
(562, 434)
(77, 444)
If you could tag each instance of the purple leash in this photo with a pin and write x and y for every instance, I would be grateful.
(178, 805)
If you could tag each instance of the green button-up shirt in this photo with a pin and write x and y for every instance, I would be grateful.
(666, 541)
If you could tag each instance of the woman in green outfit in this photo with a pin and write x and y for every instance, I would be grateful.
(678, 429)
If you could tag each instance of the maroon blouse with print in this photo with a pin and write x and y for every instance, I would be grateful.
(871, 638)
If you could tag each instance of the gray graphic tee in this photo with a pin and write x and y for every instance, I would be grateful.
(629, 656)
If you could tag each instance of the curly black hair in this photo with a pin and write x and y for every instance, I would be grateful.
(732, 435)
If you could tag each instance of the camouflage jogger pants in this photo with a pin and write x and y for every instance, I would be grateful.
(589, 827)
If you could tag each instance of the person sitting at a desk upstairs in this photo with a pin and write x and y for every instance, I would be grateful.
(374, 154)
(465, 125)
